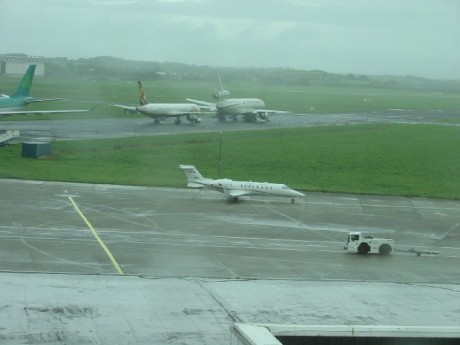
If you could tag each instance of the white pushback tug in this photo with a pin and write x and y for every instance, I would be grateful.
(358, 243)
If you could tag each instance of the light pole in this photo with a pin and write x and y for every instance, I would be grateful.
(219, 165)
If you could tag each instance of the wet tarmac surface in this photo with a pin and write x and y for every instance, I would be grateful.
(49, 227)
(98, 264)
(112, 128)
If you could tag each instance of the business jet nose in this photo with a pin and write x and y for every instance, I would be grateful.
(299, 193)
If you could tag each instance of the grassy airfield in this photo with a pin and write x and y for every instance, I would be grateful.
(402, 160)
(376, 159)
(84, 94)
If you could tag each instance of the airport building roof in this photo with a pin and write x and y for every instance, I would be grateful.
(106, 309)
(18, 57)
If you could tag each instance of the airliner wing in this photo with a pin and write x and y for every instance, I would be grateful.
(271, 111)
(176, 113)
(35, 100)
(203, 104)
(42, 112)
(126, 107)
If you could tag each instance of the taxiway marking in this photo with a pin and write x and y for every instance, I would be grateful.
(93, 231)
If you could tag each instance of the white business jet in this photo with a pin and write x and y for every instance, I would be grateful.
(235, 189)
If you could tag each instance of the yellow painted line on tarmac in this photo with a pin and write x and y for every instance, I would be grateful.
(107, 251)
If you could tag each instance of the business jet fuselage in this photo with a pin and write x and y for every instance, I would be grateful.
(235, 189)
(240, 188)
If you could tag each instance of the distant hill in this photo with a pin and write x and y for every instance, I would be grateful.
(107, 67)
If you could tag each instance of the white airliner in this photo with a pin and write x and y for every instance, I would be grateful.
(235, 189)
(161, 111)
(250, 108)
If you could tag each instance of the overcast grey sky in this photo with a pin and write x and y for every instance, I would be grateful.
(398, 37)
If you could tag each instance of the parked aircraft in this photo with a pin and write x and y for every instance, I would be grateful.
(161, 111)
(10, 105)
(235, 189)
(7, 135)
(250, 108)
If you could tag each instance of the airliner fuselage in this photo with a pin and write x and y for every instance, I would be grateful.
(10, 103)
(161, 111)
(239, 106)
(167, 109)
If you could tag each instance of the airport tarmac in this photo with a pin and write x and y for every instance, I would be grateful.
(101, 264)
(114, 128)
(182, 232)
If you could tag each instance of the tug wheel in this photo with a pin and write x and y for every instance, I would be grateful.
(363, 248)
(385, 249)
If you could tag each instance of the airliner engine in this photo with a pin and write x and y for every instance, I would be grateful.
(264, 116)
(220, 94)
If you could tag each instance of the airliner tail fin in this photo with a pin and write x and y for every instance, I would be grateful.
(25, 84)
(221, 93)
(142, 99)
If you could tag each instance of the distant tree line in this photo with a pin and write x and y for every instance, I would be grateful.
(111, 68)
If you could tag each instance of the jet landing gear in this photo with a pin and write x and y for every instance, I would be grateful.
(194, 120)
(221, 117)
(251, 118)
(232, 199)
(177, 122)
(292, 200)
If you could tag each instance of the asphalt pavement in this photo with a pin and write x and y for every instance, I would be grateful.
(100, 264)
(115, 128)
(85, 263)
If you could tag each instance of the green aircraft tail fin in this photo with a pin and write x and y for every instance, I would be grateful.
(25, 84)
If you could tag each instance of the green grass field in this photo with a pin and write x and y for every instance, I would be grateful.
(378, 159)
(405, 160)
(81, 93)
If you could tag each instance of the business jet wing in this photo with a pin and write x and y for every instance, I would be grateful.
(235, 193)
(42, 112)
